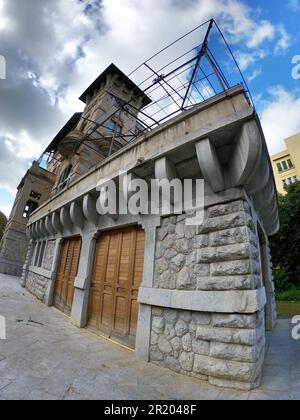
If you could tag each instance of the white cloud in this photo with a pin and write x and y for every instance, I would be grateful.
(284, 41)
(280, 118)
(294, 5)
(265, 31)
(6, 210)
(56, 48)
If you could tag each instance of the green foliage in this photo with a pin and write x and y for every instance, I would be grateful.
(285, 246)
(3, 221)
(292, 295)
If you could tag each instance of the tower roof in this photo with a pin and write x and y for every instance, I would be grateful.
(113, 69)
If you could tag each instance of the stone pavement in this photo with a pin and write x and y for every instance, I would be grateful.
(58, 361)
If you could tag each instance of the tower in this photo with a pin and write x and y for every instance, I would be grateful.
(33, 191)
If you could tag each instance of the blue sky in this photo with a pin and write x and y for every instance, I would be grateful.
(55, 48)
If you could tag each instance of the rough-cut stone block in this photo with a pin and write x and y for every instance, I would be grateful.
(232, 268)
(224, 222)
(200, 241)
(201, 318)
(249, 282)
(229, 335)
(227, 253)
(237, 371)
(164, 345)
(225, 209)
(202, 270)
(176, 346)
(185, 281)
(186, 361)
(235, 321)
(187, 342)
(225, 383)
(237, 352)
(181, 328)
(201, 347)
(178, 262)
(158, 324)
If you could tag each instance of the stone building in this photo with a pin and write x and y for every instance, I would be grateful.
(34, 190)
(195, 299)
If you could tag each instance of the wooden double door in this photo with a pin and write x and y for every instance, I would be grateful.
(117, 276)
(66, 274)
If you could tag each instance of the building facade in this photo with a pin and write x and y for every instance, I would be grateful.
(34, 190)
(196, 298)
(286, 164)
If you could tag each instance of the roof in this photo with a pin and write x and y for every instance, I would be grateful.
(73, 121)
(125, 79)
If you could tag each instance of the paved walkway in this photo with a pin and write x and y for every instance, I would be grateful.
(58, 361)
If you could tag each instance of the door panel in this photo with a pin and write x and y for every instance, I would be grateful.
(67, 271)
(117, 276)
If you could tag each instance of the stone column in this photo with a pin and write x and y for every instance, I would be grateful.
(27, 263)
(83, 280)
(51, 282)
(145, 317)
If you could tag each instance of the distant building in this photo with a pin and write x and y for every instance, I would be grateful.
(286, 164)
(33, 191)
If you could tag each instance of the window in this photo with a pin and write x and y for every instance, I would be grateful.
(295, 178)
(64, 178)
(115, 127)
(284, 183)
(40, 249)
(279, 167)
(29, 208)
(290, 163)
(35, 195)
(284, 165)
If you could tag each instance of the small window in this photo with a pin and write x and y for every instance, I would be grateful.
(63, 181)
(29, 208)
(35, 195)
(289, 181)
(279, 167)
(295, 178)
(114, 127)
(290, 163)
(284, 183)
(284, 165)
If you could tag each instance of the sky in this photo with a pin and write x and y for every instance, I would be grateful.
(55, 48)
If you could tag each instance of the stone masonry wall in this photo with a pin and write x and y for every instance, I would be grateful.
(227, 350)
(221, 255)
(37, 285)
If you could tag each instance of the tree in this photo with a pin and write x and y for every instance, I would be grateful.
(3, 221)
(285, 246)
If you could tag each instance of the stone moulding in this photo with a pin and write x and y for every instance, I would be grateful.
(244, 301)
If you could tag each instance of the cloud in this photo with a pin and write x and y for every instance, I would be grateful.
(280, 118)
(264, 32)
(284, 41)
(55, 48)
(294, 5)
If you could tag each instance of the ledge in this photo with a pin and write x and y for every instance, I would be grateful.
(242, 302)
(40, 271)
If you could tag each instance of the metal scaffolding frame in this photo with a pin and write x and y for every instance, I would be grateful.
(175, 85)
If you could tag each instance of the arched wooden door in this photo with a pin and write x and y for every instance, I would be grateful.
(67, 271)
(117, 276)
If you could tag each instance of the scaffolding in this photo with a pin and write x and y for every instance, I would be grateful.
(194, 68)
